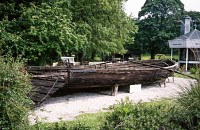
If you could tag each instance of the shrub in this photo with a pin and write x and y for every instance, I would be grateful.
(86, 121)
(14, 87)
(160, 57)
(189, 100)
(61, 126)
(193, 70)
(154, 115)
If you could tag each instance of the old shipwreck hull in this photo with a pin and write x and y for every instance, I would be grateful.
(47, 80)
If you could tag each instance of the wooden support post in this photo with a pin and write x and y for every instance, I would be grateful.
(160, 84)
(171, 53)
(173, 78)
(186, 60)
(114, 89)
(179, 57)
(168, 81)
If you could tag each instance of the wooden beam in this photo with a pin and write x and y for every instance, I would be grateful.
(114, 89)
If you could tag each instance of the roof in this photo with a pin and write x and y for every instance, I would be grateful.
(188, 40)
(195, 34)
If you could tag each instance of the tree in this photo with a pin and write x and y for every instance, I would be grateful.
(195, 16)
(42, 31)
(11, 8)
(105, 26)
(41, 34)
(157, 24)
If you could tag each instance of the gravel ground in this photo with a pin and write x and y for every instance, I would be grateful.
(69, 106)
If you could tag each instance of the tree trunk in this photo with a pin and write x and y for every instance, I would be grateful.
(93, 55)
(80, 57)
(153, 53)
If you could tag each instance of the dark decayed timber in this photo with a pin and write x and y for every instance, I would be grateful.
(47, 80)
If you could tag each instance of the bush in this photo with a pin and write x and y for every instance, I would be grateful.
(189, 102)
(154, 115)
(160, 57)
(193, 70)
(86, 121)
(14, 87)
(61, 126)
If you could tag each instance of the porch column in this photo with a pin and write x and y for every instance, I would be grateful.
(186, 62)
(179, 57)
(171, 53)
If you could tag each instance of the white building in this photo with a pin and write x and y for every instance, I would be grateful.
(188, 45)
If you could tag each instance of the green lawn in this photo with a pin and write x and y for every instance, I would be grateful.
(82, 122)
(159, 56)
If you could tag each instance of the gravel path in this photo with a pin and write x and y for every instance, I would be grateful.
(70, 106)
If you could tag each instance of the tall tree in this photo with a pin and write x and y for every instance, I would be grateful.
(157, 24)
(104, 24)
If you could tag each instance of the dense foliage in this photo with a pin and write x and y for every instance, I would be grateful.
(104, 25)
(40, 33)
(158, 24)
(44, 31)
(14, 100)
(189, 100)
(154, 115)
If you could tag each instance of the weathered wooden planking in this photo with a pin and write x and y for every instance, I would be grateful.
(39, 97)
(46, 68)
(80, 86)
(47, 83)
(121, 77)
(44, 89)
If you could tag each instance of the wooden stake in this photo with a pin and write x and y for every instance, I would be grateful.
(114, 89)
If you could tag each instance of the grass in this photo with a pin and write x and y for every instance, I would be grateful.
(92, 120)
(84, 121)
(159, 56)
(185, 76)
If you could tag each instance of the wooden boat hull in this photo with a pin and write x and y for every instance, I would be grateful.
(48, 80)
(121, 74)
